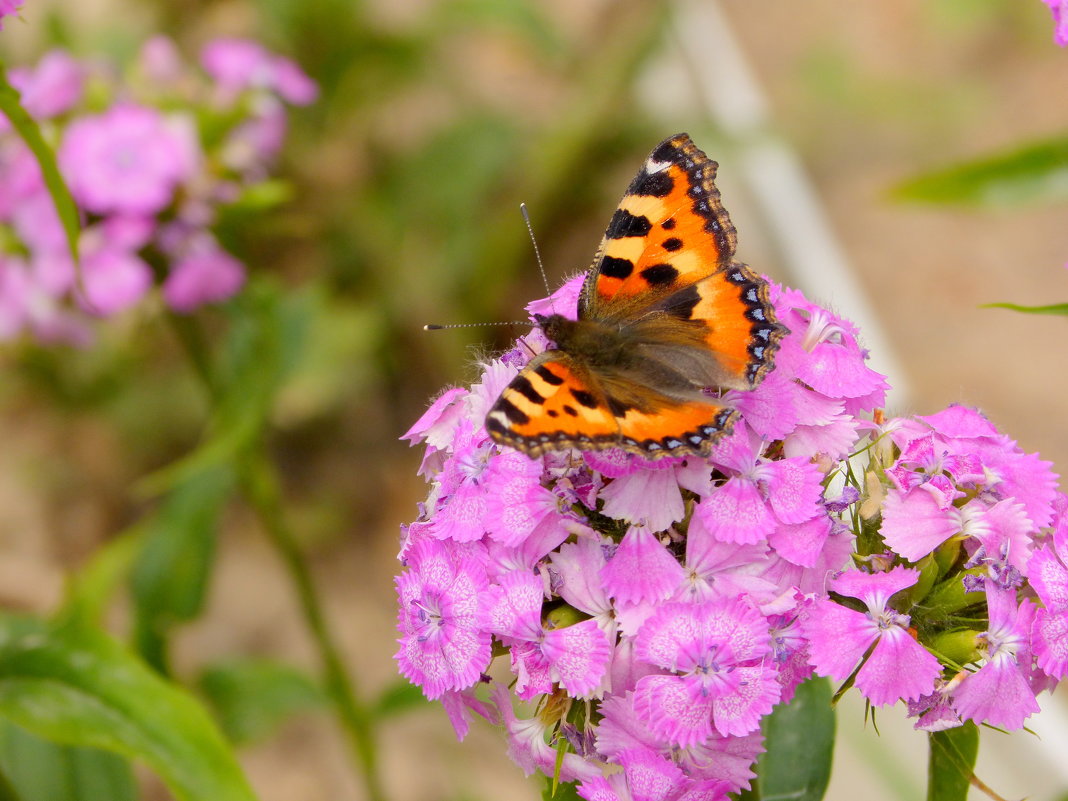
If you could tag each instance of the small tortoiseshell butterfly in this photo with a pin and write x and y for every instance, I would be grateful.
(666, 318)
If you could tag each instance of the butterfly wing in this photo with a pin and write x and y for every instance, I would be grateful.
(552, 404)
(665, 271)
(665, 315)
(555, 402)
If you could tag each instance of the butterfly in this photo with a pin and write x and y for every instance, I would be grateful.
(667, 320)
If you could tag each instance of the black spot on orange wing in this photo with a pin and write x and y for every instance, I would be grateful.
(584, 398)
(702, 240)
(617, 268)
(660, 274)
(657, 184)
(624, 225)
(522, 385)
(548, 376)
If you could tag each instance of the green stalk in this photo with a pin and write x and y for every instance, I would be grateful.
(259, 483)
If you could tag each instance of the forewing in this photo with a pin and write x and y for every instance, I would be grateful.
(669, 231)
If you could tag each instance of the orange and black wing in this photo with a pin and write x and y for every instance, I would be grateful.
(553, 404)
(556, 403)
(665, 269)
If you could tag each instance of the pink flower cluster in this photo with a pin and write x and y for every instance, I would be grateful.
(680, 600)
(150, 158)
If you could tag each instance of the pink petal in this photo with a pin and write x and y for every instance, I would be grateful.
(795, 489)
(641, 569)
(838, 638)
(914, 524)
(649, 497)
(1049, 638)
(579, 656)
(802, 543)
(736, 512)
(514, 606)
(755, 692)
(1049, 577)
(651, 777)
(441, 415)
(997, 694)
(675, 709)
(899, 667)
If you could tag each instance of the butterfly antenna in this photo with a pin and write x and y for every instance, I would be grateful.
(433, 327)
(534, 242)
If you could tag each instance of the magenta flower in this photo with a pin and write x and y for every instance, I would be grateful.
(207, 274)
(717, 676)
(679, 600)
(760, 495)
(528, 748)
(898, 667)
(999, 693)
(725, 759)
(129, 159)
(444, 644)
(240, 64)
(51, 88)
(576, 655)
(1059, 9)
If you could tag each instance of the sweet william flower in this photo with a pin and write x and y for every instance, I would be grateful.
(998, 693)
(1048, 576)
(130, 159)
(205, 274)
(239, 64)
(898, 667)
(717, 675)
(679, 600)
(445, 644)
(52, 87)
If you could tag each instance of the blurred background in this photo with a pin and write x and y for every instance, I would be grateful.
(436, 119)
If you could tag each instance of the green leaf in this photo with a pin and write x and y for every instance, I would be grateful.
(1034, 173)
(38, 770)
(254, 697)
(951, 760)
(400, 697)
(1056, 308)
(89, 592)
(266, 338)
(173, 569)
(79, 687)
(26, 127)
(564, 792)
(799, 738)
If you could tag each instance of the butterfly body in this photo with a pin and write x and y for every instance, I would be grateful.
(666, 321)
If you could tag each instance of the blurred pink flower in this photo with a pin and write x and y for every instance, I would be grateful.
(129, 159)
(206, 275)
(239, 64)
(1059, 8)
(160, 60)
(8, 7)
(54, 86)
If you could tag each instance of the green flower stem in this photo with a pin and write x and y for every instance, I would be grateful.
(259, 483)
